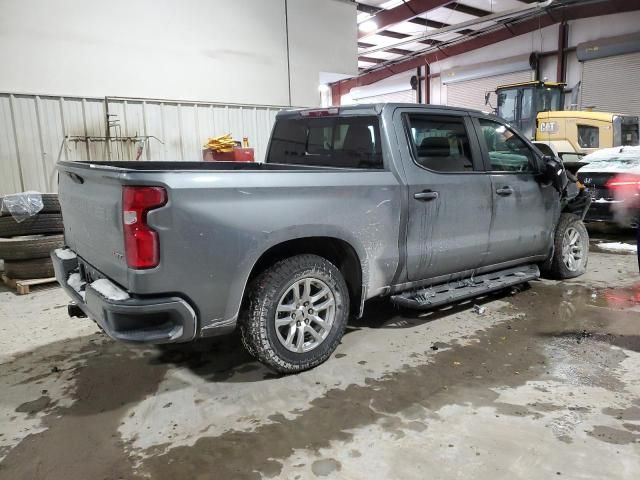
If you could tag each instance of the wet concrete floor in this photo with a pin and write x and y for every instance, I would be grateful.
(545, 383)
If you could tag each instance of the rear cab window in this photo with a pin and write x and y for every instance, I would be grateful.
(340, 142)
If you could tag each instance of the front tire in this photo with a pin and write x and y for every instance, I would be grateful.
(571, 249)
(295, 313)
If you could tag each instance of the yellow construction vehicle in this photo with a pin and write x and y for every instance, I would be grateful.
(537, 110)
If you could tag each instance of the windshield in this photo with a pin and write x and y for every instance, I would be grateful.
(549, 100)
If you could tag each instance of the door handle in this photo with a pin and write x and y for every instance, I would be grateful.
(426, 196)
(505, 191)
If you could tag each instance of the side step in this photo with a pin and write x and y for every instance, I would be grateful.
(454, 291)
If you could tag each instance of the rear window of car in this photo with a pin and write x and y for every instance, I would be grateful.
(343, 142)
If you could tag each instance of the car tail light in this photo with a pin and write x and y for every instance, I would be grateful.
(624, 182)
(140, 240)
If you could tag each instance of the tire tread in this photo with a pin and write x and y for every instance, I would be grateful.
(40, 223)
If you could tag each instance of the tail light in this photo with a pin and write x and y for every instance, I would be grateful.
(140, 240)
(625, 182)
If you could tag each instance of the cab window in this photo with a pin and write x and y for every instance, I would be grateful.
(588, 136)
(342, 142)
(507, 151)
(440, 143)
(507, 103)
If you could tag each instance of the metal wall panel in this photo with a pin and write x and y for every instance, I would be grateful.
(470, 93)
(404, 96)
(610, 84)
(33, 129)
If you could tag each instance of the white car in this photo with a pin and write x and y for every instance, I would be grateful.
(600, 168)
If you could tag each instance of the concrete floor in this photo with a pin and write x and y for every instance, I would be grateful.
(545, 383)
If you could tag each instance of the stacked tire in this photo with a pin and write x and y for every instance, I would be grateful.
(25, 246)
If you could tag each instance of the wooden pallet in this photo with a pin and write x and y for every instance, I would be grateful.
(23, 287)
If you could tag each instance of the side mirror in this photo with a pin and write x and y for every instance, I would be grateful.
(555, 173)
(487, 96)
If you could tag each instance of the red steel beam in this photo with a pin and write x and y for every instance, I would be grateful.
(405, 11)
(574, 12)
(336, 94)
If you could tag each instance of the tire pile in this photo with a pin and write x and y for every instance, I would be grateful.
(25, 246)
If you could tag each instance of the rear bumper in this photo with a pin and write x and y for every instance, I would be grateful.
(612, 212)
(137, 320)
(600, 212)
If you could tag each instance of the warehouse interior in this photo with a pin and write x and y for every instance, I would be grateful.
(536, 379)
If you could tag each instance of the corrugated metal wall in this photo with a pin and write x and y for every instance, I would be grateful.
(610, 84)
(33, 130)
(404, 96)
(470, 93)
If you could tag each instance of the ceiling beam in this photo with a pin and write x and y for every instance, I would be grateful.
(424, 22)
(370, 9)
(406, 11)
(462, 8)
(371, 60)
(392, 34)
(515, 28)
(399, 51)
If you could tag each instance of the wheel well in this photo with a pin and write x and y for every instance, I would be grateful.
(338, 252)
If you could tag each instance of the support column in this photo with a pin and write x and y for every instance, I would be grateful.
(563, 41)
(336, 94)
(427, 84)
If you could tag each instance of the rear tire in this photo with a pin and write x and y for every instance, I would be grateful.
(571, 249)
(29, 247)
(275, 323)
(39, 223)
(29, 269)
(50, 204)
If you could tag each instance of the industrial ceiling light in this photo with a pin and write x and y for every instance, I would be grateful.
(368, 26)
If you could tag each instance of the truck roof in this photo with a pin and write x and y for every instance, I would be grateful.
(371, 109)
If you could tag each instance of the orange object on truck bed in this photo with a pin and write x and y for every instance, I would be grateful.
(238, 154)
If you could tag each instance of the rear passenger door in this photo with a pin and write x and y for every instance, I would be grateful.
(449, 194)
(525, 209)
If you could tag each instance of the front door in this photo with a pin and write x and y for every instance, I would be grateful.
(525, 209)
(449, 194)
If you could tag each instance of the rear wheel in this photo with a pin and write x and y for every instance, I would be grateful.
(571, 249)
(295, 313)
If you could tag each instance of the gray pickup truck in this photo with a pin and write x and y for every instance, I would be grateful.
(424, 204)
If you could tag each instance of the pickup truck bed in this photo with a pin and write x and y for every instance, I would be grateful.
(219, 219)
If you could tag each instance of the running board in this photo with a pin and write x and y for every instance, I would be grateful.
(454, 291)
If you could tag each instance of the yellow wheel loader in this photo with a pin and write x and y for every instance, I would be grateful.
(537, 109)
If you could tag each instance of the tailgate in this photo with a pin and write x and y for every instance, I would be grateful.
(91, 202)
